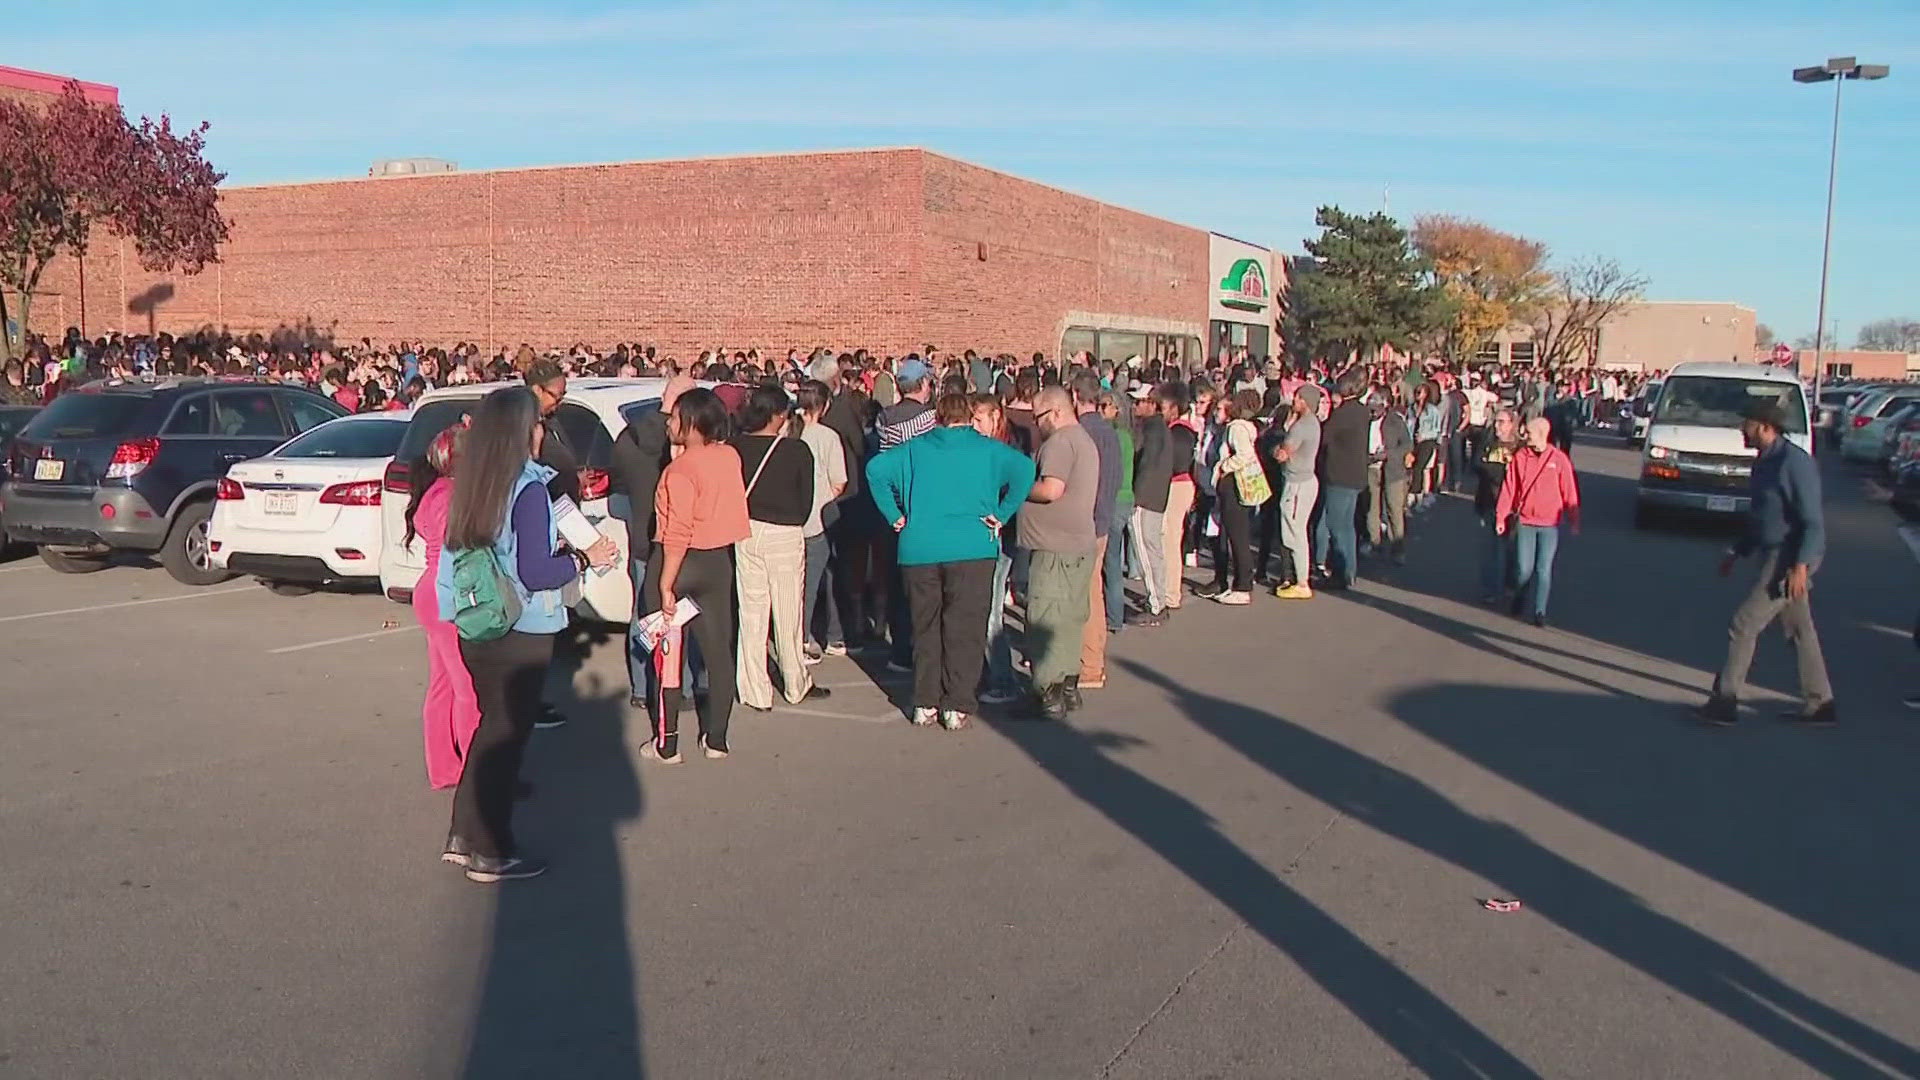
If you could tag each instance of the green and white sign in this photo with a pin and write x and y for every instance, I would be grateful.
(1245, 286)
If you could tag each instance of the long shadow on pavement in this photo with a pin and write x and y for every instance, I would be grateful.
(559, 993)
(1425, 1030)
(1582, 902)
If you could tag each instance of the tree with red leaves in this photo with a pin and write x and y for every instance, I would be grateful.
(75, 164)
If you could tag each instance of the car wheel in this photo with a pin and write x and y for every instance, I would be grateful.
(68, 563)
(186, 555)
(288, 588)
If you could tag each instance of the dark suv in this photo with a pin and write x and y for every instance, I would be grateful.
(133, 464)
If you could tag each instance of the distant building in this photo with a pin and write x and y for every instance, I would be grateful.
(1859, 364)
(39, 87)
(1649, 335)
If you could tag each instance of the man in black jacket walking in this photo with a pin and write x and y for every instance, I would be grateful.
(1343, 442)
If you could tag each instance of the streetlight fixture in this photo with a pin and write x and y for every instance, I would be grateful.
(1836, 70)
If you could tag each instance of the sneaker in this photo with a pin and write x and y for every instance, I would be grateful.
(999, 696)
(550, 718)
(458, 852)
(1234, 598)
(1050, 703)
(835, 648)
(1210, 592)
(487, 870)
(953, 719)
(651, 752)
(817, 693)
(1151, 618)
(925, 716)
(1718, 711)
(1539, 621)
(714, 753)
(812, 654)
(1294, 592)
(899, 668)
(1824, 716)
(1070, 693)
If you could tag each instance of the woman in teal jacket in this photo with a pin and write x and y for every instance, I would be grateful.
(947, 494)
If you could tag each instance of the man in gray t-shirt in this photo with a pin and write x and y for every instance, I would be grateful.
(1299, 488)
(1056, 528)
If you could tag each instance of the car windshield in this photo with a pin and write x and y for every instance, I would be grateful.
(85, 415)
(347, 439)
(1705, 401)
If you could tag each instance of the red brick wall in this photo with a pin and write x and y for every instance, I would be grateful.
(876, 249)
(1048, 253)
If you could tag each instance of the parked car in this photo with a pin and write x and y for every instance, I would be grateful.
(133, 464)
(1632, 421)
(1863, 436)
(308, 514)
(12, 419)
(1695, 457)
(595, 412)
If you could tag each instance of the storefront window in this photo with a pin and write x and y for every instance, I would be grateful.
(1077, 340)
(1521, 352)
(1117, 345)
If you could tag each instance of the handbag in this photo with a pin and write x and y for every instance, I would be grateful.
(1252, 485)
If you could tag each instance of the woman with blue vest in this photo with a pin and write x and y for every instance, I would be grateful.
(500, 501)
(948, 493)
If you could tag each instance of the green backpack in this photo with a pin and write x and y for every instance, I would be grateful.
(485, 603)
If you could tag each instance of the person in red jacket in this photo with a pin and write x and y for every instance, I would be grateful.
(1538, 493)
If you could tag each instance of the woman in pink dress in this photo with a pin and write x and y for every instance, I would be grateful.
(450, 713)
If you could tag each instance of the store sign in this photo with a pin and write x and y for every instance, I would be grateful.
(1245, 286)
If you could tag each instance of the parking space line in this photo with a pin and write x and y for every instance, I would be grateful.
(249, 587)
(343, 640)
(31, 564)
(892, 714)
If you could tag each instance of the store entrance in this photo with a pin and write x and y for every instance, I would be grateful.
(1230, 337)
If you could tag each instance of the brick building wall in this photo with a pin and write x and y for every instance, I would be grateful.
(872, 248)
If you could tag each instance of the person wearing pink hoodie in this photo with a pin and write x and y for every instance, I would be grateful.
(451, 712)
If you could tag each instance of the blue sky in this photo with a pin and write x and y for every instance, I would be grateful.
(1665, 134)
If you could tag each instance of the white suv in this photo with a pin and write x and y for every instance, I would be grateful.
(594, 414)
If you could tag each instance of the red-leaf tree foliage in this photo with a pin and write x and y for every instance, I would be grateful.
(74, 164)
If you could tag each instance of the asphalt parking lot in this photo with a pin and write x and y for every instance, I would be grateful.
(1259, 853)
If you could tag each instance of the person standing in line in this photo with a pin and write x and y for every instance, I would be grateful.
(1496, 452)
(1233, 546)
(1153, 469)
(989, 419)
(1344, 437)
(1093, 643)
(1113, 560)
(850, 536)
(820, 621)
(701, 512)
(1275, 407)
(1450, 459)
(1390, 447)
(1476, 415)
(500, 502)
(1297, 454)
(1787, 531)
(548, 382)
(1056, 529)
(1539, 491)
(770, 564)
(1428, 434)
(948, 494)
(639, 454)
(908, 417)
(450, 713)
(1183, 451)
(1206, 432)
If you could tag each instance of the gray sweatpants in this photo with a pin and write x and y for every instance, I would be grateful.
(1766, 601)
(1150, 552)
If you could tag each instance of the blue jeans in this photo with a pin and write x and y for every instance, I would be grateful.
(1342, 545)
(1496, 558)
(816, 598)
(1534, 549)
(999, 642)
(1111, 572)
(639, 660)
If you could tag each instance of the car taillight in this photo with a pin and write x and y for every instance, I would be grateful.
(357, 493)
(1862, 421)
(395, 479)
(129, 458)
(229, 489)
(594, 484)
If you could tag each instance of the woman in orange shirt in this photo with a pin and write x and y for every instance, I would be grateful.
(701, 512)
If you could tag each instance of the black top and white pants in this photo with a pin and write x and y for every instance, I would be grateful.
(770, 566)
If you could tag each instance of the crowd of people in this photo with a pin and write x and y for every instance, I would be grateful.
(904, 509)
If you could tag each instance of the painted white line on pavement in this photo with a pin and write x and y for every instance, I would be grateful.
(829, 715)
(249, 587)
(28, 564)
(369, 635)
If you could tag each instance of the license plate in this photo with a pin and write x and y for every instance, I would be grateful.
(1720, 504)
(282, 502)
(49, 469)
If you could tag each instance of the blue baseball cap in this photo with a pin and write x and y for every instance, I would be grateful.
(914, 369)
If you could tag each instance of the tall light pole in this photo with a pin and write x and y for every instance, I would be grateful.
(1837, 71)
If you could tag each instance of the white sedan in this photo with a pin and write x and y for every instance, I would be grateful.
(308, 514)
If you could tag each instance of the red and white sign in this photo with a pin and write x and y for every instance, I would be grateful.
(1783, 354)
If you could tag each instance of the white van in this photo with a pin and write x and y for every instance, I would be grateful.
(594, 414)
(1695, 458)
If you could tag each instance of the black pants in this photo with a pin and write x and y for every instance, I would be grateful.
(950, 601)
(1235, 541)
(706, 578)
(1194, 539)
(1266, 530)
(508, 674)
(1423, 455)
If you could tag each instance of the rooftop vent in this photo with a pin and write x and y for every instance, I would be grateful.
(411, 166)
